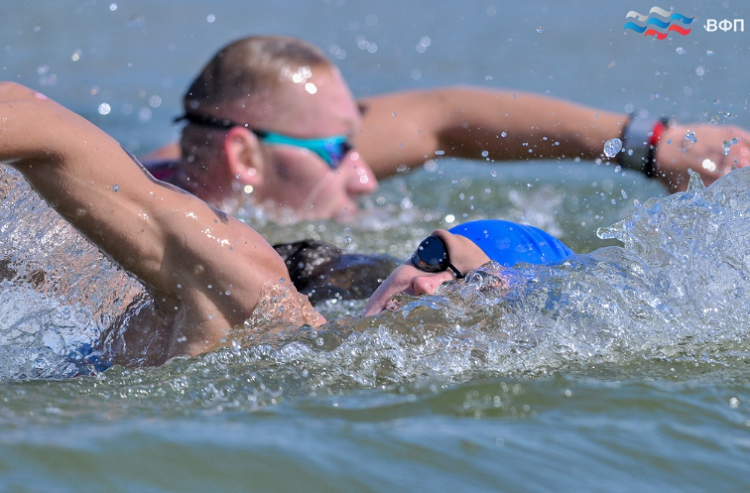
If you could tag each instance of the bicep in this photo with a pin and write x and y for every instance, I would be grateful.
(400, 129)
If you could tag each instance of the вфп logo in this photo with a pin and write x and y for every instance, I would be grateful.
(651, 25)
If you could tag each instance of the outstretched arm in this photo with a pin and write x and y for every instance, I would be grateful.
(408, 127)
(201, 265)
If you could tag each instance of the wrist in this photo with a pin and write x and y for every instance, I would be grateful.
(640, 139)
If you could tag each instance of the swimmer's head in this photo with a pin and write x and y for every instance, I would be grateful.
(508, 243)
(250, 68)
(448, 255)
(272, 122)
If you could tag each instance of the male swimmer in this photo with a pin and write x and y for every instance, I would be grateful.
(271, 120)
(206, 272)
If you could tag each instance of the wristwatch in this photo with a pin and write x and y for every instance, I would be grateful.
(640, 137)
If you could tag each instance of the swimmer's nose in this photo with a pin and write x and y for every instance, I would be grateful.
(361, 179)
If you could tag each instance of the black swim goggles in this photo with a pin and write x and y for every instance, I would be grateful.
(330, 149)
(432, 256)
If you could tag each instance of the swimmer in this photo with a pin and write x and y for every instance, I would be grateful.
(271, 120)
(206, 272)
(449, 255)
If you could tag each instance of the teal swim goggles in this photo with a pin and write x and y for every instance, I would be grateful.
(330, 149)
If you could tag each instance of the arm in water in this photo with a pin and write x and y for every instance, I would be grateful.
(204, 269)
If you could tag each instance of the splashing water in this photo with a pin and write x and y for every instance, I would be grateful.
(676, 291)
(690, 136)
(58, 292)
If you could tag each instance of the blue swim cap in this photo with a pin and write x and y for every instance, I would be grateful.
(508, 243)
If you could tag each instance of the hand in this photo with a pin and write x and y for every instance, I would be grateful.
(679, 151)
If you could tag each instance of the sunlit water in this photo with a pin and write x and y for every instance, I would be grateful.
(624, 368)
(620, 351)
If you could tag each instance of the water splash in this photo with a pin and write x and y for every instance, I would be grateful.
(675, 291)
(58, 292)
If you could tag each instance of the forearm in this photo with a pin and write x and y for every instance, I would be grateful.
(408, 128)
(520, 126)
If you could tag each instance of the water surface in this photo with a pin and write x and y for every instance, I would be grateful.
(624, 369)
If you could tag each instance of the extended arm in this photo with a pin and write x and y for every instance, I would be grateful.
(408, 127)
(200, 265)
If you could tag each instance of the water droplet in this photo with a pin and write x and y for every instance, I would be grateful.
(727, 147)
(347, 239)
(540, 29)
(485, 153)
(612, 147)
(709, 53)
(210, 17)
(700, 71)
(503, 134)
(394, 113)
(113, 7)
(680, 50)
(493, 173)
(690, 135)
(115, 188)
(104, 109)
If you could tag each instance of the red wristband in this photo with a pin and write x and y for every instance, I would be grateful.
(649, 167)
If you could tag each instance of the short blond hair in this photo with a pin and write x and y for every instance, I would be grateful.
(248, 67)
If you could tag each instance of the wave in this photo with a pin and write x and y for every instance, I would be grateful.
(662, 35)
(674, 16)
(675, 291)
(654, 32)
(659, 23)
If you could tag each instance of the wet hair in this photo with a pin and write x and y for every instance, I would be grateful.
(248, 67)
(324, 272)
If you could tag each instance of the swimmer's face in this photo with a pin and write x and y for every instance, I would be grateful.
(317, 105)
(463, 254)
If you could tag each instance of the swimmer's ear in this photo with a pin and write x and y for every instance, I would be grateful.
(244, 157)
